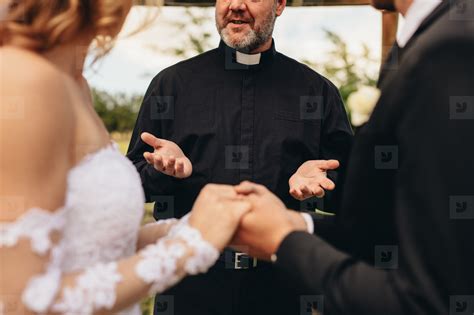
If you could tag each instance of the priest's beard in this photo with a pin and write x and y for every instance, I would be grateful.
(254, 38)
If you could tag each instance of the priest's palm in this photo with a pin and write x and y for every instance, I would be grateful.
(168, 158)
(310, 179)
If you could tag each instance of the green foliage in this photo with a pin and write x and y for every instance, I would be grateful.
(346, 70)
(197, 38)
(195, 42)
(118, 112)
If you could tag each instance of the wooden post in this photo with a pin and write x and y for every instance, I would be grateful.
(389, 31)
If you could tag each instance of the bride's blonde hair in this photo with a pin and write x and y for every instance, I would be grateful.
(42, 24)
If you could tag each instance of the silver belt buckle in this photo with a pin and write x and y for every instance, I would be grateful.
(238, 261)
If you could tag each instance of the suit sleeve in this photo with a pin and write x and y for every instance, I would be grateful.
(154, 183)
(432, 144)
(347, 286)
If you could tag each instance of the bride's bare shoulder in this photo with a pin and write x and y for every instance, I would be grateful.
(31, 79)
(24, 67)
(34, 96)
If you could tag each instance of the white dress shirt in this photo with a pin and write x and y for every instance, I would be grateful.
(309, 222)
(418, 11)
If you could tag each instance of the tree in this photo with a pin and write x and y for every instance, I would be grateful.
(196, 40)
(118, 112)
(346, 70)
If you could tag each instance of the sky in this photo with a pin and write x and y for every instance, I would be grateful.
(298, 33)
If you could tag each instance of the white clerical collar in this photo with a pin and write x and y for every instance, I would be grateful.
(247, 59)
(418, 11)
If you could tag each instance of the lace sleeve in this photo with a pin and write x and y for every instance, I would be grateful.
(108, 286)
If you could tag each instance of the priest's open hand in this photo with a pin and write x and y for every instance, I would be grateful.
(311, 179)
(263, 228)
(167, 158)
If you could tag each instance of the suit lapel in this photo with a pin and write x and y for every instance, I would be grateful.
(390, 63)
(394, 58)
(430, 19)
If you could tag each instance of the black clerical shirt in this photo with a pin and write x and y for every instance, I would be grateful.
(239, 122)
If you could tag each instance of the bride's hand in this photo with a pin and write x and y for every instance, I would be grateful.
(151, 232)
(217, 213)
(168, 158)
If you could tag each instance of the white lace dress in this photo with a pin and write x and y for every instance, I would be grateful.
(99, 225)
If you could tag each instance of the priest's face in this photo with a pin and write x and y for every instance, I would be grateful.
(247, 25)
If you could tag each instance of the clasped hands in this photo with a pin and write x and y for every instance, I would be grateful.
(247, 217)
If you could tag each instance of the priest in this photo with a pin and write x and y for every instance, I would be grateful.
(242, 111)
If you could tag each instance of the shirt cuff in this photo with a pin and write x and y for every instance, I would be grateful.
(309, 222)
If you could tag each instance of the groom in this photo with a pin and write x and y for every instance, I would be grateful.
(240, 112)
(403, 237)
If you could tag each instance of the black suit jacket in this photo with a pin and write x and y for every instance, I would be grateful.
(403, 239)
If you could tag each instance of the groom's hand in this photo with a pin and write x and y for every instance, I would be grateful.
(168, 158)
(263, 229)
(310, 179)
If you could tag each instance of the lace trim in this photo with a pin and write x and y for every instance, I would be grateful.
(112, 145)
(205, 255)
(95, 289)
(41, 291)
(37, 225)
(159, 264)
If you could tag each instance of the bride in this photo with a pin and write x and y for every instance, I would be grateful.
(71, 204)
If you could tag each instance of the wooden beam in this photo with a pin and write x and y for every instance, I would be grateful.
(389, 31)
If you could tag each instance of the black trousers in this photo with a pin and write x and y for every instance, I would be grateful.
(224, 291)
